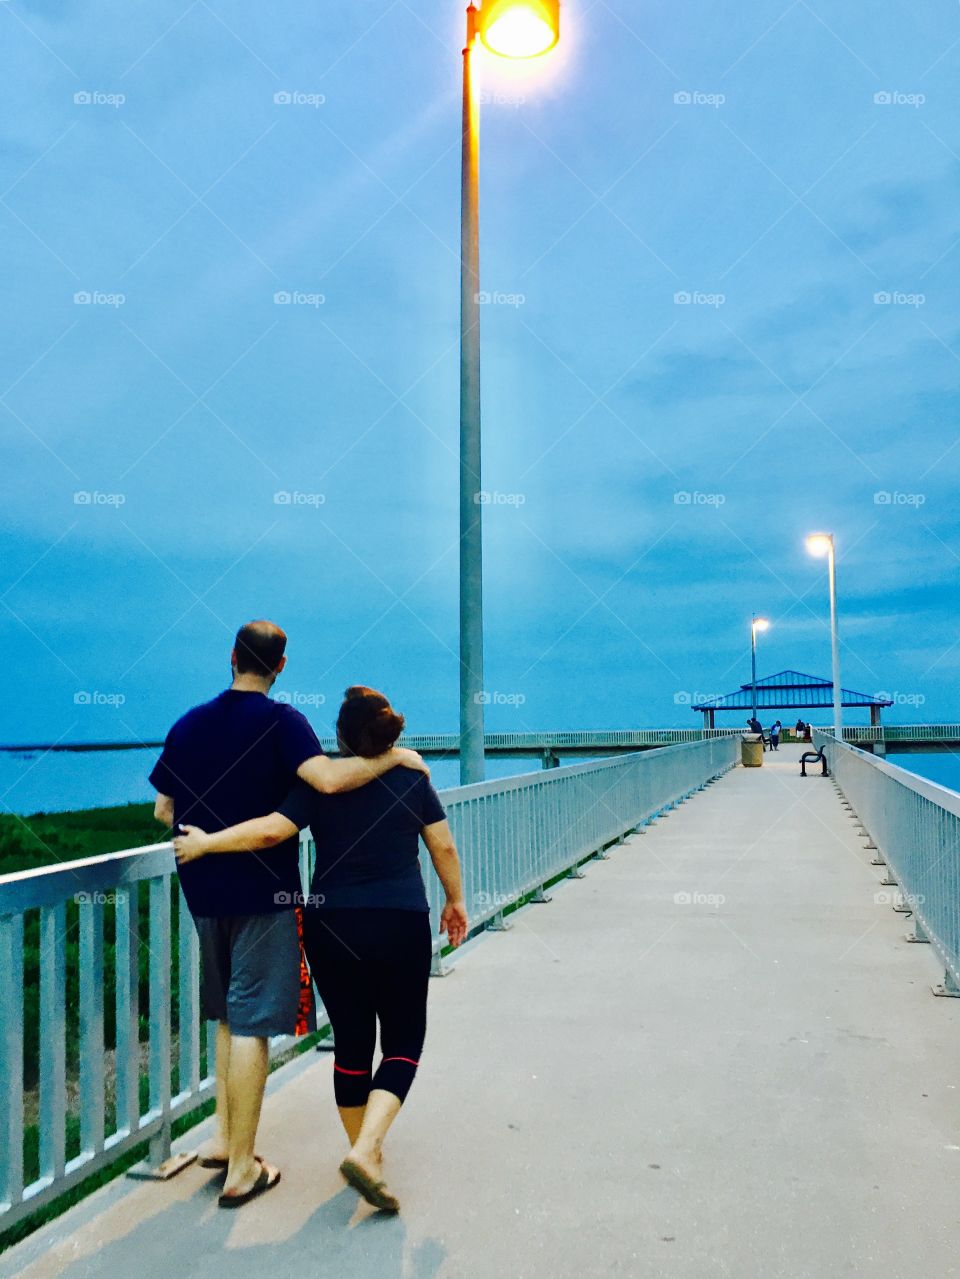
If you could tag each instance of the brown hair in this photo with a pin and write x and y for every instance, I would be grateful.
(367, 724)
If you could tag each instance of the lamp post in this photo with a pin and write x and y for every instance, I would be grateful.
(758, 624)
(821, 544)
(510, 29)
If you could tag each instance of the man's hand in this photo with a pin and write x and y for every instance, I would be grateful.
(454, 922)
(190, 844)
(407, 758)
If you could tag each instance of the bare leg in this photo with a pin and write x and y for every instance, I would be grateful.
(246, 1080)
(218, 1147)
(352, 1119)
(381, 1110)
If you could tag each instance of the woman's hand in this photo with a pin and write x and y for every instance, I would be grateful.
(454, 921)
(190, 844)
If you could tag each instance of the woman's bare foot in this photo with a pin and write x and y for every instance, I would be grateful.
(363, 1169)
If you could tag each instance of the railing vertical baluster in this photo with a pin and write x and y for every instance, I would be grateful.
(53, 1065)
(128, 1010)
(11, 1059)
(91, 1025)
(189, 999)
(160, 1014)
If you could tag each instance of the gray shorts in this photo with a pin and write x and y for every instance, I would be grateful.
(250, 972)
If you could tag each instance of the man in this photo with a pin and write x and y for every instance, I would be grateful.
(226, 761)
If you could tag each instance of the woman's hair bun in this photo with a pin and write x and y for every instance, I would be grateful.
(367, 725)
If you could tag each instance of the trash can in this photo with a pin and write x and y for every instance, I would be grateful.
(751, 752)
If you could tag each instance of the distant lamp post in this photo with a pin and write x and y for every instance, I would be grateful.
(756, 626)
(510, 29)
(821, 544)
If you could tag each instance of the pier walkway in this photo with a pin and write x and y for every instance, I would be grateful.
(714, 1055)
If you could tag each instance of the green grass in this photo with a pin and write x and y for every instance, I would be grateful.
(47, 838)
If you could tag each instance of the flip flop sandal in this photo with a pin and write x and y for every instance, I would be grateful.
(217, 1161)
(375, 1192)
(260, 1186)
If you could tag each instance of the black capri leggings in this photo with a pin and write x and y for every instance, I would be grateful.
(371, 965)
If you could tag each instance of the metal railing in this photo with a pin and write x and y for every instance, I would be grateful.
(915, 825)
(581, 740)
(900, 732)
(57, 924)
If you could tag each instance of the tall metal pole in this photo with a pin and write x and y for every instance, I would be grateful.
(835, 642)
(471, 508)
(753, 662)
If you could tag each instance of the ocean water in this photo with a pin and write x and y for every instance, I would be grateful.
(59, 782)
(55, 783)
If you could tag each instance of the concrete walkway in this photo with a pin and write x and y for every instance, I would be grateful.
(713, 1056)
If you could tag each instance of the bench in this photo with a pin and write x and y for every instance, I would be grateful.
(813, 757)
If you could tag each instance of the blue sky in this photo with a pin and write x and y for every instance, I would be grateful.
(792, 170)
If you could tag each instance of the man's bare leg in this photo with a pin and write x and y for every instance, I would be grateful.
(218, 1147)
(246, 1080)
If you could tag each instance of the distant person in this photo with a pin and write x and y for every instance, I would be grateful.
(755, 726)
(800, 728)
(366, 923)
(775, 730)
(223, 762)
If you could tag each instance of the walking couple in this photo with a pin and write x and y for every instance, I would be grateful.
(239, 776)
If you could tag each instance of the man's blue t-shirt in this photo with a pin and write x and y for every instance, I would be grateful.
(368, 840)
(224, 762)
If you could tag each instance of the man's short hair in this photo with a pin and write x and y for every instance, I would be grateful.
(259, 647)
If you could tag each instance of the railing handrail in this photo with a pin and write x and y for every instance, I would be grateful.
(914, 824)
(942, 796)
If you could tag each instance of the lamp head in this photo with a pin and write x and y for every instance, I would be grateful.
(519, 28)
(820, 544)
(760, 624)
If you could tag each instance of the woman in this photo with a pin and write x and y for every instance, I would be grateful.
(366, 922)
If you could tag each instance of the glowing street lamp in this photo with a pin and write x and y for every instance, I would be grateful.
(511, 29)
(519, 28)
(821, 544)
(758, 624)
